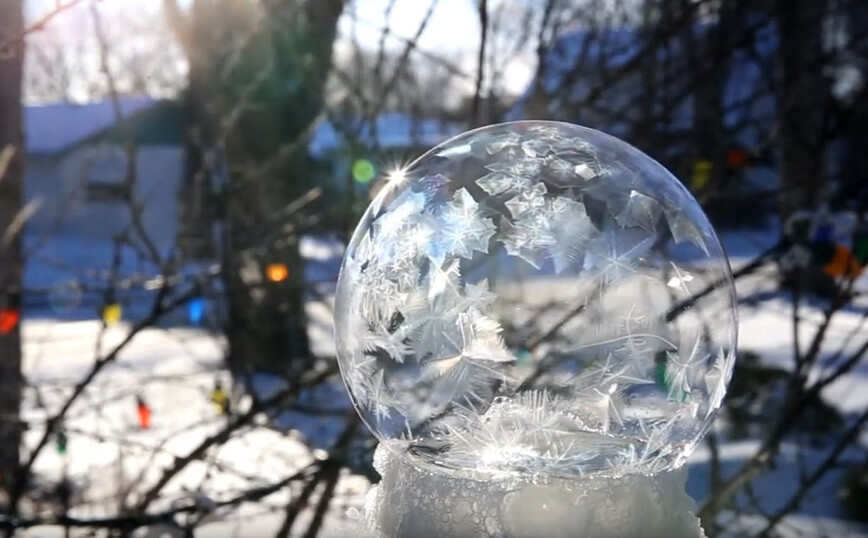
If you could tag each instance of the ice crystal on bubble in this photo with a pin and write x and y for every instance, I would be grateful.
(530, 201)
(499, 182)
(571, 230)
(562, 169)
(522, 303)
(404, 215)
(505, 141)
(618, 254)
(553, 228)
(466, 229)
(640, 210)
(680, 280)
(676, 377)
(717, 379)
(536, 147)
(469, 343)
(479, 296)
(684, 229)
(528, 167)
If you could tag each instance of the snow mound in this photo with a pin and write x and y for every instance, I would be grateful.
(410, 502)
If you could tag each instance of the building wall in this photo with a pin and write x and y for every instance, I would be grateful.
(81, 193)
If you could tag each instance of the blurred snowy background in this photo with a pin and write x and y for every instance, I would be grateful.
(178, 179)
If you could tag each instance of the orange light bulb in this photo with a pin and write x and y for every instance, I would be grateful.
(277, 272)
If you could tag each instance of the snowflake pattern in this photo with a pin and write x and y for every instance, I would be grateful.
(464, 228)
(553, 228)
(617, 254)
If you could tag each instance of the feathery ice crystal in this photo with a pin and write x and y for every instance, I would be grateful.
(536, 299)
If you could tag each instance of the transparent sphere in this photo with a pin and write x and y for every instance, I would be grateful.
(536, 299)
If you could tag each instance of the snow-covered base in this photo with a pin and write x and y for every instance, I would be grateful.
(410, 502)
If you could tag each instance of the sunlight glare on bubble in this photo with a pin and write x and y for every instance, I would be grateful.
(397, 176)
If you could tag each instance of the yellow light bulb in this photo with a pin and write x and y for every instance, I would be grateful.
(112, 314)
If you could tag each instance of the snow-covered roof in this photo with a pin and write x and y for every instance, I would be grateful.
(390, 130)
(55, 128)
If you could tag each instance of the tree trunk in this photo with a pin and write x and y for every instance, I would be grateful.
(267, 318)
(710, 50)
(803, 100)
(279, 75)
(854, 120)
(644, 135)
(11, 137)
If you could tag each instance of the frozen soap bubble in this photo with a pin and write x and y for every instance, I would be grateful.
(536, 299)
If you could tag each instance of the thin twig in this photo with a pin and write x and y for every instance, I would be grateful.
(39, 24)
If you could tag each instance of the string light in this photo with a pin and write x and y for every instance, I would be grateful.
(817, 235)
(10, 313)
(9, 318)
(277, 272)
(737, 158)
(61, 441)
(196, 310)
(112, 313)
(363, 171)
(220, 399)
(702, 170)
(144, 413)
(842, 263)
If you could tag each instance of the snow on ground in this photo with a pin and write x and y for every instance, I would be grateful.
(173, 369)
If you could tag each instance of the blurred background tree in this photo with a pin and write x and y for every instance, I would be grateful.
(257, 79)
(11, 202)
